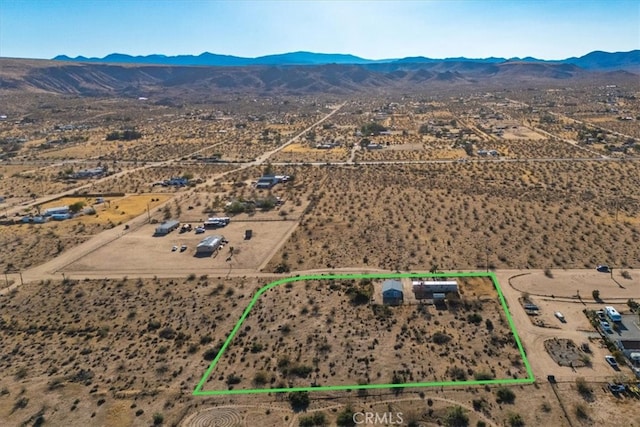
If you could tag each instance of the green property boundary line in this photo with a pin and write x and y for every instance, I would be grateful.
(508, 381)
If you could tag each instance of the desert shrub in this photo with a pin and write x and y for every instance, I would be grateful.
(302, 371)
(474, 318)
(260, 378)
(283, 267)
(167, 333)
(505, 395)
(360, 295)
(158, 419)
(55, 383)
(456, 417)
(625, 274)
(256, 347)
(441, 338)
(317, 419)
(481, 376)
(489, 324)
(153, 325)
(381, 312)
(345, 418)
(21, 373)
(515, 420)
(548, 273)
(583, 388)
(596, 294)
(457, 373)
(21, 403)
(581, 412)
(233, 379)
(212, 352)
(299, 400)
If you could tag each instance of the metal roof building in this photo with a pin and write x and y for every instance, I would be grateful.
(426, 289)
(167, 227)
(392, 292)
(209, 244)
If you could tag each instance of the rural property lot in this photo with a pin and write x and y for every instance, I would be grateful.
(288, 336)
(140, 251)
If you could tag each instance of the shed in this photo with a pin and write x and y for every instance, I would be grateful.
(392, 293)
(167, 227)
(209, 245)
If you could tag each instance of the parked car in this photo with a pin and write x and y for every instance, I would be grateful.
(616, 388)
(606, 326)
(603, 268)
(611, 361)
(200, 230)
(183, 248)
(560, 316)
(174, 248)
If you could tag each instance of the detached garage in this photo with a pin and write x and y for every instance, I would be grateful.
(392, 293)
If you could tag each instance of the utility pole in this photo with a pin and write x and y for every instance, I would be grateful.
(148, 214)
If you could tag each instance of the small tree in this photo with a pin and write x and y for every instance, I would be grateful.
(596, 295)
(76, 207)
(583, 388)
(299, 400)
(505, 395)
(515, 420)
(456, 417)
(345, 418)
(158, 419)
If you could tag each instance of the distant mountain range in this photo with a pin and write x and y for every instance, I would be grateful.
(158, 77)
(594, 61)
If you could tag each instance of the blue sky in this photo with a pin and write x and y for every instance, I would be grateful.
(548, 29)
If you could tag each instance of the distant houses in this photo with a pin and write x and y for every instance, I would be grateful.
(89, 173)
(485, 153)
(173, 182)
(269, 181)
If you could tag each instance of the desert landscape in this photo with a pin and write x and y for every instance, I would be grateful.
(113, 306)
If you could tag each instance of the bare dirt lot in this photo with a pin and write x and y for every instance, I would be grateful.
(139, 251)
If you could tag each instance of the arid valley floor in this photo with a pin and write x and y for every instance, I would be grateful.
(103, 322)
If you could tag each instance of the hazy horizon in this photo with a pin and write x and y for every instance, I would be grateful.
(368, 29)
